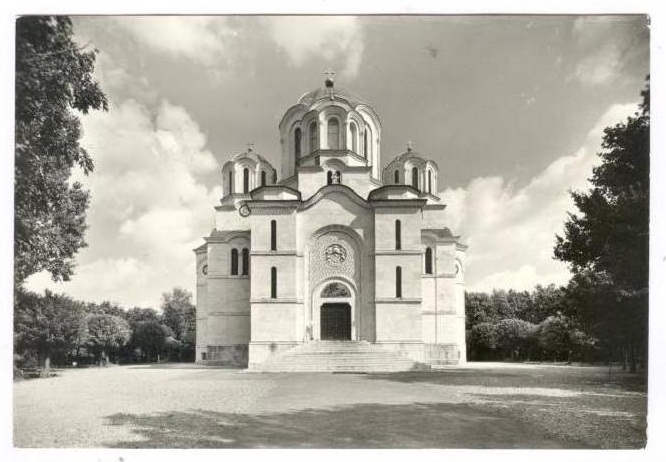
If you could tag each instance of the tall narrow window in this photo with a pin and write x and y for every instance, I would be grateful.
(329, 177)
(365, 143)
(234, 262)
(428, 260)
(263, 178)
(398, 282)
(246, 180)
(354, 137)
(429, 181)
(231, 182)
(314, 145)
(246, 262)
(317, 160)
(333, 134)
(273, 235)
(297, 143)
(398, 238)
(396, 177)
(415, 178)
(273, 282)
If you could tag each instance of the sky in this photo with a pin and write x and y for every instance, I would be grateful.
(512, 109)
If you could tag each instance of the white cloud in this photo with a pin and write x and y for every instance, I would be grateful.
(511, 232)
(201, 39)
(149, 205)
(338, 39)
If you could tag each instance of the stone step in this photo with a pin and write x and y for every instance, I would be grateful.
(332, 356)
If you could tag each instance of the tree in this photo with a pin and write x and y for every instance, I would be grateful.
(178, 311)
(608, 239)
(49, 324)
(484, 340)
(53, 81)
(151, 337)
(514, 337)
(106, 333)
(560, 338)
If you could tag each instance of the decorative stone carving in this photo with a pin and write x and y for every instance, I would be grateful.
(335, 290)
(335, 254)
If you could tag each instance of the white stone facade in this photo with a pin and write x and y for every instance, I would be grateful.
(335, 250)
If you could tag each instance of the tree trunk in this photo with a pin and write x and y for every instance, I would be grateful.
(47, 365)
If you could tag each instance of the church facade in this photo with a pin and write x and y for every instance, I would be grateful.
(337, 249)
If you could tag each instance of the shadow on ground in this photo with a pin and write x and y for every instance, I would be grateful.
(521, 376)
(361, 426)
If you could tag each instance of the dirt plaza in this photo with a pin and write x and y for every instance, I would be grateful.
(476, 406)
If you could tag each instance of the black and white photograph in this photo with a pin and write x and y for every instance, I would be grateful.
(397, 230)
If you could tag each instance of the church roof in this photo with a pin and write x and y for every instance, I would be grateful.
(249, 154)
(411, 154)
(311, 97)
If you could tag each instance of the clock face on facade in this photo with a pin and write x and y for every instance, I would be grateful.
(335, 254)
(244, 210)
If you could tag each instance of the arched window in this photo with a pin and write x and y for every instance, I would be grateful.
(333, 134)
(297, 143)
(415, 178)
(234, 262)
(329, 177)
(428, 260)
(313, 137)
(429, 181)
(335, 290)
(246, 180)
(273, 235)
(354, 137)
(398, 282)
(263, 178)
(398, 237)
(365, 143)
(273, 282)
(231, 182)
(274, 176)
(246, 262)
(396, 177)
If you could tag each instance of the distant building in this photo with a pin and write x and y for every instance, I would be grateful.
(336, 250)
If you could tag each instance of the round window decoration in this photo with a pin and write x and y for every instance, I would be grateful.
(335, 254)
(244, 211)
(204, 269)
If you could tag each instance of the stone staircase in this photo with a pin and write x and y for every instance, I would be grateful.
(337, 356)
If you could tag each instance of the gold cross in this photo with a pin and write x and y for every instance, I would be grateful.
(249, 147)
(409, 145)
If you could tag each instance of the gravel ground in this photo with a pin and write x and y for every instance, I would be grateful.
(479, 406)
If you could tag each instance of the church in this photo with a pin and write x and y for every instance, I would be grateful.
(337, 264)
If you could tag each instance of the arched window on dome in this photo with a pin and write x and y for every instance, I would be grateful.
(313, 137)
(263, 178)
(396, 177)
(246, 180)
(297, 143)
(333, 134)
(231, 182)
(329, 177)
(354, 137)
(365, 143)
(415, 178)
(428, 260)
(430, 181)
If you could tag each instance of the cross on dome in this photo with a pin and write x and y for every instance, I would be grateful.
(329, 78)
(409, 146)
(249, 147)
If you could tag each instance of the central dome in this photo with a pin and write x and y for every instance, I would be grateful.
(311, 97)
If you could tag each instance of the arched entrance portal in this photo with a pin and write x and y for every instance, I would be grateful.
(334, 311)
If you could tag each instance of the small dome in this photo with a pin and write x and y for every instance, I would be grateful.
(249, 154)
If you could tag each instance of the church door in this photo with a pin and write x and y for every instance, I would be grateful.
(336, 321)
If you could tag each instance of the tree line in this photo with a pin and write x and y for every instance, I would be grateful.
(56, 330)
